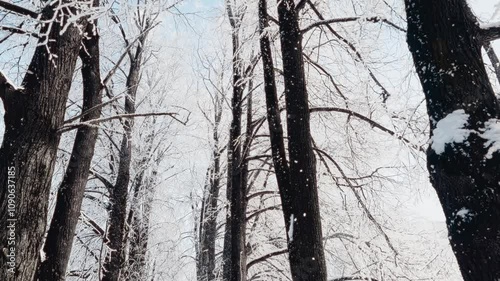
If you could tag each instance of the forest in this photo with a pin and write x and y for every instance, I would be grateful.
(247, 140)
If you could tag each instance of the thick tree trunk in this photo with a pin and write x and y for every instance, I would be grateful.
(59, 241)
(443, 37)
(28, 153)
(307, 260)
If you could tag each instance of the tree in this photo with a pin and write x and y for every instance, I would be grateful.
(445, 40)
(33, 116)
(59, 241)
(207, 233)
(117, 233)
(296, 177)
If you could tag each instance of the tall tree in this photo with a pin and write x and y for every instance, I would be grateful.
(445, 40)
(117, 234)
(59, 241)
(33, 116)
(297, 177)
(235, 223)
(209, 209)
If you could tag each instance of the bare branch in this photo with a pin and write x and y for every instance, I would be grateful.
(258, 212)
(92, 109)
(369, 121)
(70, 127)
(18, 31)
(360, 200)
(385, 94)
(265, 257)
(354, 278)
(93, 225)
(101, 178)
(350, 19)
(260, 193)
(18, 9)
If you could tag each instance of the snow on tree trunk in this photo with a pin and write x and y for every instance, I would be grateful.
(443, 37)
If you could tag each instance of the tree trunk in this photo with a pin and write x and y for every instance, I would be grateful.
(209, 212)
(235, 224)
(443, 37)
(28, 153)
(117, 233)
(139, 217)
(59, 241)
(301, 205)
(139, 213)
(208, 223)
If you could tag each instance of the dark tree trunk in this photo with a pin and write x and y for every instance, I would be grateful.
(443, 37)
(273, 114)
(138, 220)
(296, 180)
(208, 223)
(235, 224)
(59, 241)
(209, 212)
(139, 213)
(118, 232)
(32, 118)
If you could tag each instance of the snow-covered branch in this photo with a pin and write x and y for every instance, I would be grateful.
(350, 19)
(70, 127)
(490, 32)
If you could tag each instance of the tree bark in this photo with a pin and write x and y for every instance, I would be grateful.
(28, 153)
(443, 37)
(59, 241)
(300, 194)
(209, 212)
(114, 265)
(235, 223)
(138, 220)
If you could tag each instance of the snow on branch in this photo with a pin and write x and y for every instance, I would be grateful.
(70, 127)
(7, 87)
(490, 32)
(18, 9)
(350, 19)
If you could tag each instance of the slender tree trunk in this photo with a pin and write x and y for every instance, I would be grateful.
(296, 180)
(59, 241)
(209, 223)
(209, 212)
(233, 240)
(117, 233)
(28, 153)
(443, 37)
(139, 214)
(138, 221)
